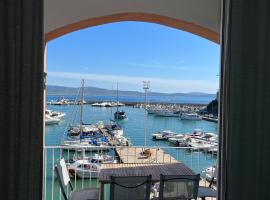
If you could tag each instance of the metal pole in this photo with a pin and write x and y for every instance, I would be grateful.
(146, 86)
(145, 118)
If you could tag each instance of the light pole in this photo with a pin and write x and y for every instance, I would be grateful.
(146, 86)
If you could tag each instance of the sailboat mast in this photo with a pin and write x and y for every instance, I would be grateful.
(117, 103)
(112, 104)
(81, 114)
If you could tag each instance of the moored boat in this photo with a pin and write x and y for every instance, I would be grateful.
(55, 114)
(164, 135)
(120, 115)
(190, 116)
(84, 169)
(51, 120)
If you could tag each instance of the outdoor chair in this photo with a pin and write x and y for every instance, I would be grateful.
(64, 181)
(181, 187)
(204, 192)
(130, 187)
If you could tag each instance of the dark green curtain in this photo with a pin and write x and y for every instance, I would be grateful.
(245, 101)
(21, 95)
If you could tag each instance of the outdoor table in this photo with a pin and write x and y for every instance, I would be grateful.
(140, 169)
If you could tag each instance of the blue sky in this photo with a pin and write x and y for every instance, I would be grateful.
(130, 52)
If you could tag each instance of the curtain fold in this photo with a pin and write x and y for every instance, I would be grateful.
(21, 94)
(245, 101)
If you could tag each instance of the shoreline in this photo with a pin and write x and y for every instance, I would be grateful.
(132, 103)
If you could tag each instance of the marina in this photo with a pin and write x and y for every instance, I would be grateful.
(85, 161)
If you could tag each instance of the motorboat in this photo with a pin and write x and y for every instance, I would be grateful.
(55, 114)
(190, 116)
(59, 102)
(120, 115)
(84, 169)
(101, 104)
(96, 105)
(51, 120)
(107, 104)
(96, 158)
(176, 139)
(164, 135)
(210, 173)
(119, 104)
(199, 145)
(122, 141)
(88, 167)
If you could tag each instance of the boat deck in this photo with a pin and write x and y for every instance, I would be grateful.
(134, 155)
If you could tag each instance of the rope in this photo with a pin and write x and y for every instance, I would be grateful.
(130, 186)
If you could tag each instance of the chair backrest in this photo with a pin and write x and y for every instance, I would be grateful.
(179, 187)
(63, 177)
(130, 187)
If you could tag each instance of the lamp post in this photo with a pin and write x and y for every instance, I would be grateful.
(146, 86)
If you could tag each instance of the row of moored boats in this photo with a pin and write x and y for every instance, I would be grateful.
(183, 115)
(198, 140)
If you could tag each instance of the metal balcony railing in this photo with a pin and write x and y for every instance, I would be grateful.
(197, 160)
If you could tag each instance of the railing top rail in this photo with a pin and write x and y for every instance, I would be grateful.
(113, 147)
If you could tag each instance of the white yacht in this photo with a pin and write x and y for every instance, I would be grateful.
(89, 167)
(200, 145)
(55, 114)
(96, 105)
(51, 120)
(179, 138)
(84, 169)
(190, 116)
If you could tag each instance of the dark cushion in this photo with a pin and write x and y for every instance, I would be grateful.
(85, 194)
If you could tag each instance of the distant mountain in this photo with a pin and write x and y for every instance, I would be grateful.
(94, 91)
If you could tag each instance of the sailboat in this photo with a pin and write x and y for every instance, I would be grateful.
(119, 115)
(84, 136)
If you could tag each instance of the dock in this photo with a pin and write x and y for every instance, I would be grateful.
(135, 155)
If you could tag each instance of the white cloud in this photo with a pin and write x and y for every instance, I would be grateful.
(135, 82)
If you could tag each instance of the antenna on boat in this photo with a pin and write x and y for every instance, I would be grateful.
(81, 115)
(146, 86)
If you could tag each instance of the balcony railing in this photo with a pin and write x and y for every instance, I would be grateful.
(197, 160)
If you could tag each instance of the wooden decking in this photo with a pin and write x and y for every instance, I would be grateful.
(134, 155)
